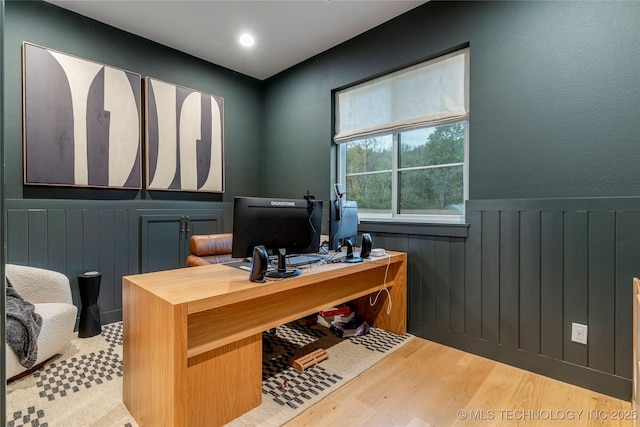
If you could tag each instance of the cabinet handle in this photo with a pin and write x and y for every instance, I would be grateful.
(182, 224)
(188, 224)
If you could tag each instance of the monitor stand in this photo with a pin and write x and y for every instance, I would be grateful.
(349, 257)
(282, 272)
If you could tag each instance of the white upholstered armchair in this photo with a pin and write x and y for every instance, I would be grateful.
(50, 293)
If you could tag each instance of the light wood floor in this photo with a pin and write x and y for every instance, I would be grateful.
(425, 383)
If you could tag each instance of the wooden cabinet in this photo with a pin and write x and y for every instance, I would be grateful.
(165, 237)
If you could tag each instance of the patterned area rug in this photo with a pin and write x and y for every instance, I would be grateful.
(83, 386)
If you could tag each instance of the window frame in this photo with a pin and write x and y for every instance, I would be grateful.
(395, 170)
(450, 115)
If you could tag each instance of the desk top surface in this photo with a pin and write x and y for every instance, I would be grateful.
(207, 286)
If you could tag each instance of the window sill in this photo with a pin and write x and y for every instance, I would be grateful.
(421, 229)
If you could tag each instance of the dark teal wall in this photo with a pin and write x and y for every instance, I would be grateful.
(554, 146)
(73, 230)
(47, 25)
(554, 96)
(554, 120)
(297, 150)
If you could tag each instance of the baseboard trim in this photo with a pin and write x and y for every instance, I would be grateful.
(111, 316)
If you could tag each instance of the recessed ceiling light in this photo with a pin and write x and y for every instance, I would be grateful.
(247, 40)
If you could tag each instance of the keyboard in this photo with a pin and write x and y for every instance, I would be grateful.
(297, 260)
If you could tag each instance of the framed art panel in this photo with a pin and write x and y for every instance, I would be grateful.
(184, 138)
(82, 121)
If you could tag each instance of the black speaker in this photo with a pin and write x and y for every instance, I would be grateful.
(259, 264)
(366, 245)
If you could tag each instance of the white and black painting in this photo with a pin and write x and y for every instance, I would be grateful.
(184, 138)
(81, 122)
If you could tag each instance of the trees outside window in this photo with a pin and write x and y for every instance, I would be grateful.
(416, 173)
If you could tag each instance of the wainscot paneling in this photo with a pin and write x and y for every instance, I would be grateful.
(73, 241)
(506, 285)
(73, 236)
(510, 286)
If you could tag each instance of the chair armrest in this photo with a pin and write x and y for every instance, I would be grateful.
(194, 261)
(38, 285)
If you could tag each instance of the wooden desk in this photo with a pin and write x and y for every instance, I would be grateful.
(192, 337)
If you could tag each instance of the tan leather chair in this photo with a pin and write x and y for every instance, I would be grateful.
(210, 249)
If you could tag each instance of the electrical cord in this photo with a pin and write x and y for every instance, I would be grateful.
(385, 289)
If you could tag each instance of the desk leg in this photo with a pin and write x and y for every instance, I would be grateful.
(224, 383)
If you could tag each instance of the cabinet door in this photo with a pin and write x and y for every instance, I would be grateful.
(165, 238)
(201, 224)
(162, 242)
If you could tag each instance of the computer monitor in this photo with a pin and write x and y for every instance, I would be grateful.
(282, 226)
(343, 227)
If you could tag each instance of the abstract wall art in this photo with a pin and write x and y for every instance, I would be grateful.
(82, 121)
(184, 138)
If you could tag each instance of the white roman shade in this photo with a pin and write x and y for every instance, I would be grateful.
(431, 92)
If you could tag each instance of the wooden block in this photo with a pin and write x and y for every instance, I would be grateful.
(308, 360)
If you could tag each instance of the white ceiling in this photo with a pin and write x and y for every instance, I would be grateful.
(286, 32)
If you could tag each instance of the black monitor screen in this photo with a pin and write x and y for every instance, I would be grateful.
(283, 226)
(343, 223)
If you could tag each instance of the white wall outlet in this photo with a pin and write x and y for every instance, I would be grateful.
(579, 333)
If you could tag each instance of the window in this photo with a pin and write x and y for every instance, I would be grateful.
(403, 142)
